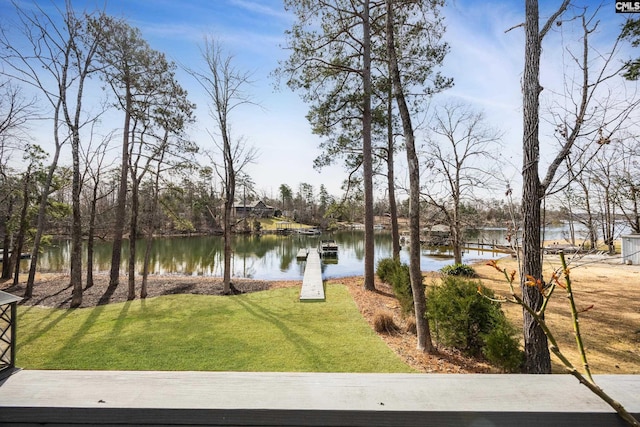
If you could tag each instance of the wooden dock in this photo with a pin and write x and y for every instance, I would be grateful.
(133, 398)
(302, 254)
(312, 286)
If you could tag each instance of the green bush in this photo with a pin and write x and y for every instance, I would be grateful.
(395, 273)
(466, 320)
(458, 270)
(502, 347)
(386, 267)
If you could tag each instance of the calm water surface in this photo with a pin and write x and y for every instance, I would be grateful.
(268, 257)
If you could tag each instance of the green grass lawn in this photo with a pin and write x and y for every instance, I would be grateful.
(262, 331)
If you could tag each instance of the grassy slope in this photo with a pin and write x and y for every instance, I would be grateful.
(264, 331)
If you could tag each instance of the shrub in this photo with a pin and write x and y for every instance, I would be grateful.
(458, 270)
(395, 273)
(502, 347)
(464, 318)
(386, 267)
(401, 283)
(383, 323)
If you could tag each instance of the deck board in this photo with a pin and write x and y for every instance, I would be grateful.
(309, 399)
(312, 286)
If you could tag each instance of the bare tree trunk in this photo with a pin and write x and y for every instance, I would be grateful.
(145, 267)
(610, 221)
(91, 238)
(6, 241)
(223, 87)
(76, 225)
(28, 292)
(536, 349)
(456, 243)
(22, 229)
(228, 208)
(367, 161)
(415, 272)
(391, 186)
(456, 229)
(121, 208)
(133, 233)
(152, 227)
(635, 220)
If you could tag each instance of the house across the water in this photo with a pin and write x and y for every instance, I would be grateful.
(257, 209)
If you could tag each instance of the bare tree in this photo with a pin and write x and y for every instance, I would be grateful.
(15, 112)
(225, 85)
(585, 94)
(50, 50)
(95, 165)
(161, 112)
(603, 168)
(34, 156)
(627, 182)
(459, 154)
(135, 72)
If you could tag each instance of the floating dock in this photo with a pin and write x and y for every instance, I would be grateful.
(312, 286)
(328, 248)
(302, 254)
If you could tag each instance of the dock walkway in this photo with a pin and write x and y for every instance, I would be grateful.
(312, 286)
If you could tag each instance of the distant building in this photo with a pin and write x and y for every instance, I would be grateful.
(438, 235)
(256, 209)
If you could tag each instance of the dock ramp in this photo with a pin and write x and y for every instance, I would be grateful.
(312, 286)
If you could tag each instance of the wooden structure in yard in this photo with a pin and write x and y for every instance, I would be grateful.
(631, 249)
(312, 285)
(134, 398)
(8, 319)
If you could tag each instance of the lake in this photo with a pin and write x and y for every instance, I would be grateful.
(265, 257)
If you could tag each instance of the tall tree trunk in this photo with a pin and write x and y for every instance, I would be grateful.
(76, 225)
(391, 180)
(133, 234)
(22, 229)
(536, 349)
(121, 208)
(152, 227)
(456, 230)
(415, 273)
(91, 237)
(591, 227)
(230, 192)
(635, 220)
(6, 241)
(228, 209)
(367, 161)
(145, 266)
(610, 221)
(456, 243)
(42, 210)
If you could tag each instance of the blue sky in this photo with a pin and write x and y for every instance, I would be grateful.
(485, 62)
